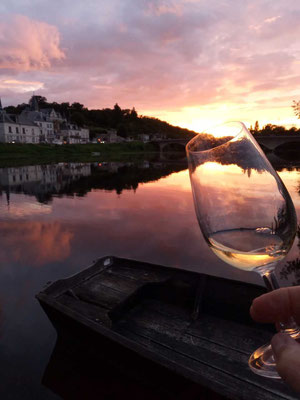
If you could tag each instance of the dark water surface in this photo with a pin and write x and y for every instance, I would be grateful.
(56, 219)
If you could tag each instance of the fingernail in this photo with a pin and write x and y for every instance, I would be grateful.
(281, 341)
(252, 310)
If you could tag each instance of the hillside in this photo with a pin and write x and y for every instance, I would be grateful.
(127, 122)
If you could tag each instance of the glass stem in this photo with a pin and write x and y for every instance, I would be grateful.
(288, 326)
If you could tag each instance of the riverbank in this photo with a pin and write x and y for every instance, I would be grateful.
(25, 154)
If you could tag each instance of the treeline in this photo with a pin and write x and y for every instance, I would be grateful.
(127, 122)
(270, 129)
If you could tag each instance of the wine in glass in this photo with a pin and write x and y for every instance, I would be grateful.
(244, 211)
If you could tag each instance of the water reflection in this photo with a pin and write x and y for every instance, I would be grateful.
(56, 180)
(34, 242)
(61, 221)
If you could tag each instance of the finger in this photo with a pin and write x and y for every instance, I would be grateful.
(277, 306)
(287, 356)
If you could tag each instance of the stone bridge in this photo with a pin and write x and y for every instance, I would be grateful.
(272, 142)
(164, 143)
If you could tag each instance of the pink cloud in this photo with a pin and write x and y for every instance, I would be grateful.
(152, 54)
(27, 44)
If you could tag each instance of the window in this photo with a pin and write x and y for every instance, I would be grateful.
(9, 129)
(27, 177)
(21, 177)
(17, 129)
(32, 131)
(23, 130)
(14, 178)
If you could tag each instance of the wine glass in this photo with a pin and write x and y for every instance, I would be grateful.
(244, 211)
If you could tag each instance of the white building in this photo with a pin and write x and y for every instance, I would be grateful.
(15, 130)
(144, 137)
(39, 126)
(54, 127)
(46, 127)
(46, 119)
(72, 134)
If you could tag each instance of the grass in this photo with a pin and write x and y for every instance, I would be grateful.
(20, 154)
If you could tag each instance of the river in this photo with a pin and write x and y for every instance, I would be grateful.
(56, 219)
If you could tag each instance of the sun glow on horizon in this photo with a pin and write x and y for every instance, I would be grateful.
(202, 118)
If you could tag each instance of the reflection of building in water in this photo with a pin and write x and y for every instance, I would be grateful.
(41, 180)
(76, 179)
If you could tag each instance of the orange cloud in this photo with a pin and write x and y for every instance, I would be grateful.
(27, 44)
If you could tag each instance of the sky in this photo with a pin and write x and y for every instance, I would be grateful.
(192, 63)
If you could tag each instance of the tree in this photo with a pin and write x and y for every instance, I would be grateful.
(15, 110)
(296, 107)
(77, 118)
(41, 100)
(133, 114)
(117, 115)
(256, 126)
(77, 106)
(122, 131)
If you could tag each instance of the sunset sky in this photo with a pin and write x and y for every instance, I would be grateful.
(192, 63)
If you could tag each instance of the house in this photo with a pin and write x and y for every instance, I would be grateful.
(47, 119)
(109, 137)
(53, 126)
(36, 125)
(14, 129)
(72, 134)
(46, 127)
(144, 138)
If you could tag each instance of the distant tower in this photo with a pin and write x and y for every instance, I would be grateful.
(2, 112)
(34, 105)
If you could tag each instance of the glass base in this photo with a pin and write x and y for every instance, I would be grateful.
(262, 362)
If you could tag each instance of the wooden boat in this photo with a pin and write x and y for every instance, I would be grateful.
(146, 314)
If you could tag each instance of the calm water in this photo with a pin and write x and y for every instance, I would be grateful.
(56, 219)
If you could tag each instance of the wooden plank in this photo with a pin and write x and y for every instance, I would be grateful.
(60, 286)
(109, 279)
(140, 271)
(93, 312)
(242, 337)
(99, 295)
(203, 372)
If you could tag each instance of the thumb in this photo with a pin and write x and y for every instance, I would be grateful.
(287, 356)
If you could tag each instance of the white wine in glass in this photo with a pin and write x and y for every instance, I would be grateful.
(244, 211)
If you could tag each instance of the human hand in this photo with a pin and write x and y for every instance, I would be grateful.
(277, 306)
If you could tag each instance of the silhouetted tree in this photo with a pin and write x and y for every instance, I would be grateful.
(122, 131)
(77, 118)
(77, 106)
(117, 115)
(133, 114)
(296, 107)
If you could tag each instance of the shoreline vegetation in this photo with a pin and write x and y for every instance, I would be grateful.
(21, 154)
(30, 154)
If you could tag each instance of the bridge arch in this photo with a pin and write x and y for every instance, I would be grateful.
(172, 145)
(272, 142)
(290, 150)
